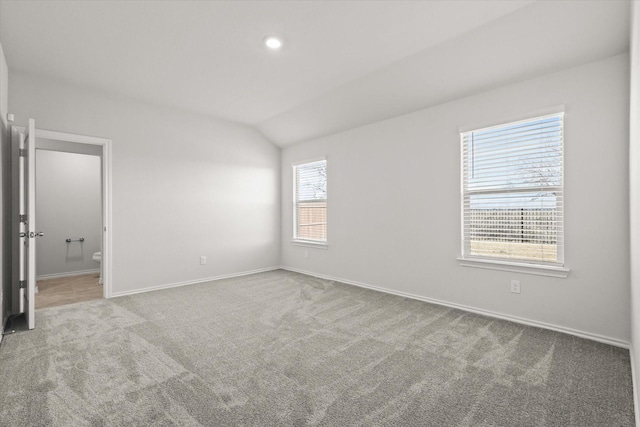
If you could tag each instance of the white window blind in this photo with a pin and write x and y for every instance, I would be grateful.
(310, 201)
(512, 191)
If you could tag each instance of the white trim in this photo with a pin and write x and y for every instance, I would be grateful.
(107, 241)
(107, 237)
(310, 244)
(192, 282)
(312, 160)
(294, 180)
(582, 334)
(515, 267)
(549, 111)
(67, 274)
(70, 137)
(493, 187)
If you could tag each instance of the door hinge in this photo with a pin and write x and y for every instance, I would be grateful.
(22, 284)
(23, 218)
(22, 152)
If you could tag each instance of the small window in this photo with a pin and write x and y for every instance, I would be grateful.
(512, 192)
(310, 202)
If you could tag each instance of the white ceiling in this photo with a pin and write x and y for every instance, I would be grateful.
(344, 63)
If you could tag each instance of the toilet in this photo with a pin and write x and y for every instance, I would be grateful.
(97, 257)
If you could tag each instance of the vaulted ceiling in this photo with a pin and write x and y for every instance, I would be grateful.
(343, 63)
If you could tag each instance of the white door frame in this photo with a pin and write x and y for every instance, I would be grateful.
(106, 195)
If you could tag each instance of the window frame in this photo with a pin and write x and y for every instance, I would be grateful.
(520, 265)
(297, 240)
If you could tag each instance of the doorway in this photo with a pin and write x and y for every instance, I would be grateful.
(69, 211)
(83, 253)
(88, 252)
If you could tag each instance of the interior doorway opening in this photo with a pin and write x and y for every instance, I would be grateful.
(81, 150)
(91, 259)
(69, 211)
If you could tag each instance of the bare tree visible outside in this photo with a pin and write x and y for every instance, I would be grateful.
(523, 222)
(311, 201)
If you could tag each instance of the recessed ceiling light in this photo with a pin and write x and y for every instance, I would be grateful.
(273, 42)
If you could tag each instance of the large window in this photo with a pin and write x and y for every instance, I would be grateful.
(512, 185)
(310, 202)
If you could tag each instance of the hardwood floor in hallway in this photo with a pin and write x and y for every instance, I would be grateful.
(68, 290)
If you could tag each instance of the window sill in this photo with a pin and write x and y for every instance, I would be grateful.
(515, 267)
(310, 244)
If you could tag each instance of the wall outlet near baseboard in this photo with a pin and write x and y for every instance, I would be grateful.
(306, 254)
(203, 260)
(515, 286)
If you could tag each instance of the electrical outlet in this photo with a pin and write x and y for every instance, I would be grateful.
(306, 254)
(203, 260)
(515, 286)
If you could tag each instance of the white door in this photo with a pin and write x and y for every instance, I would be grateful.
(27, 233)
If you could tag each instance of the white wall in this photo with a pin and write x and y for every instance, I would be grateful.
(634, 193)
(183, 185)
(69, 205)
(394, 203)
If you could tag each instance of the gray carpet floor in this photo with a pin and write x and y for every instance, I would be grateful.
(284, 349)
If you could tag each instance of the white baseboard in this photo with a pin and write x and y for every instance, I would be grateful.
(582, 334)
(191, 282)
(67, 274)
